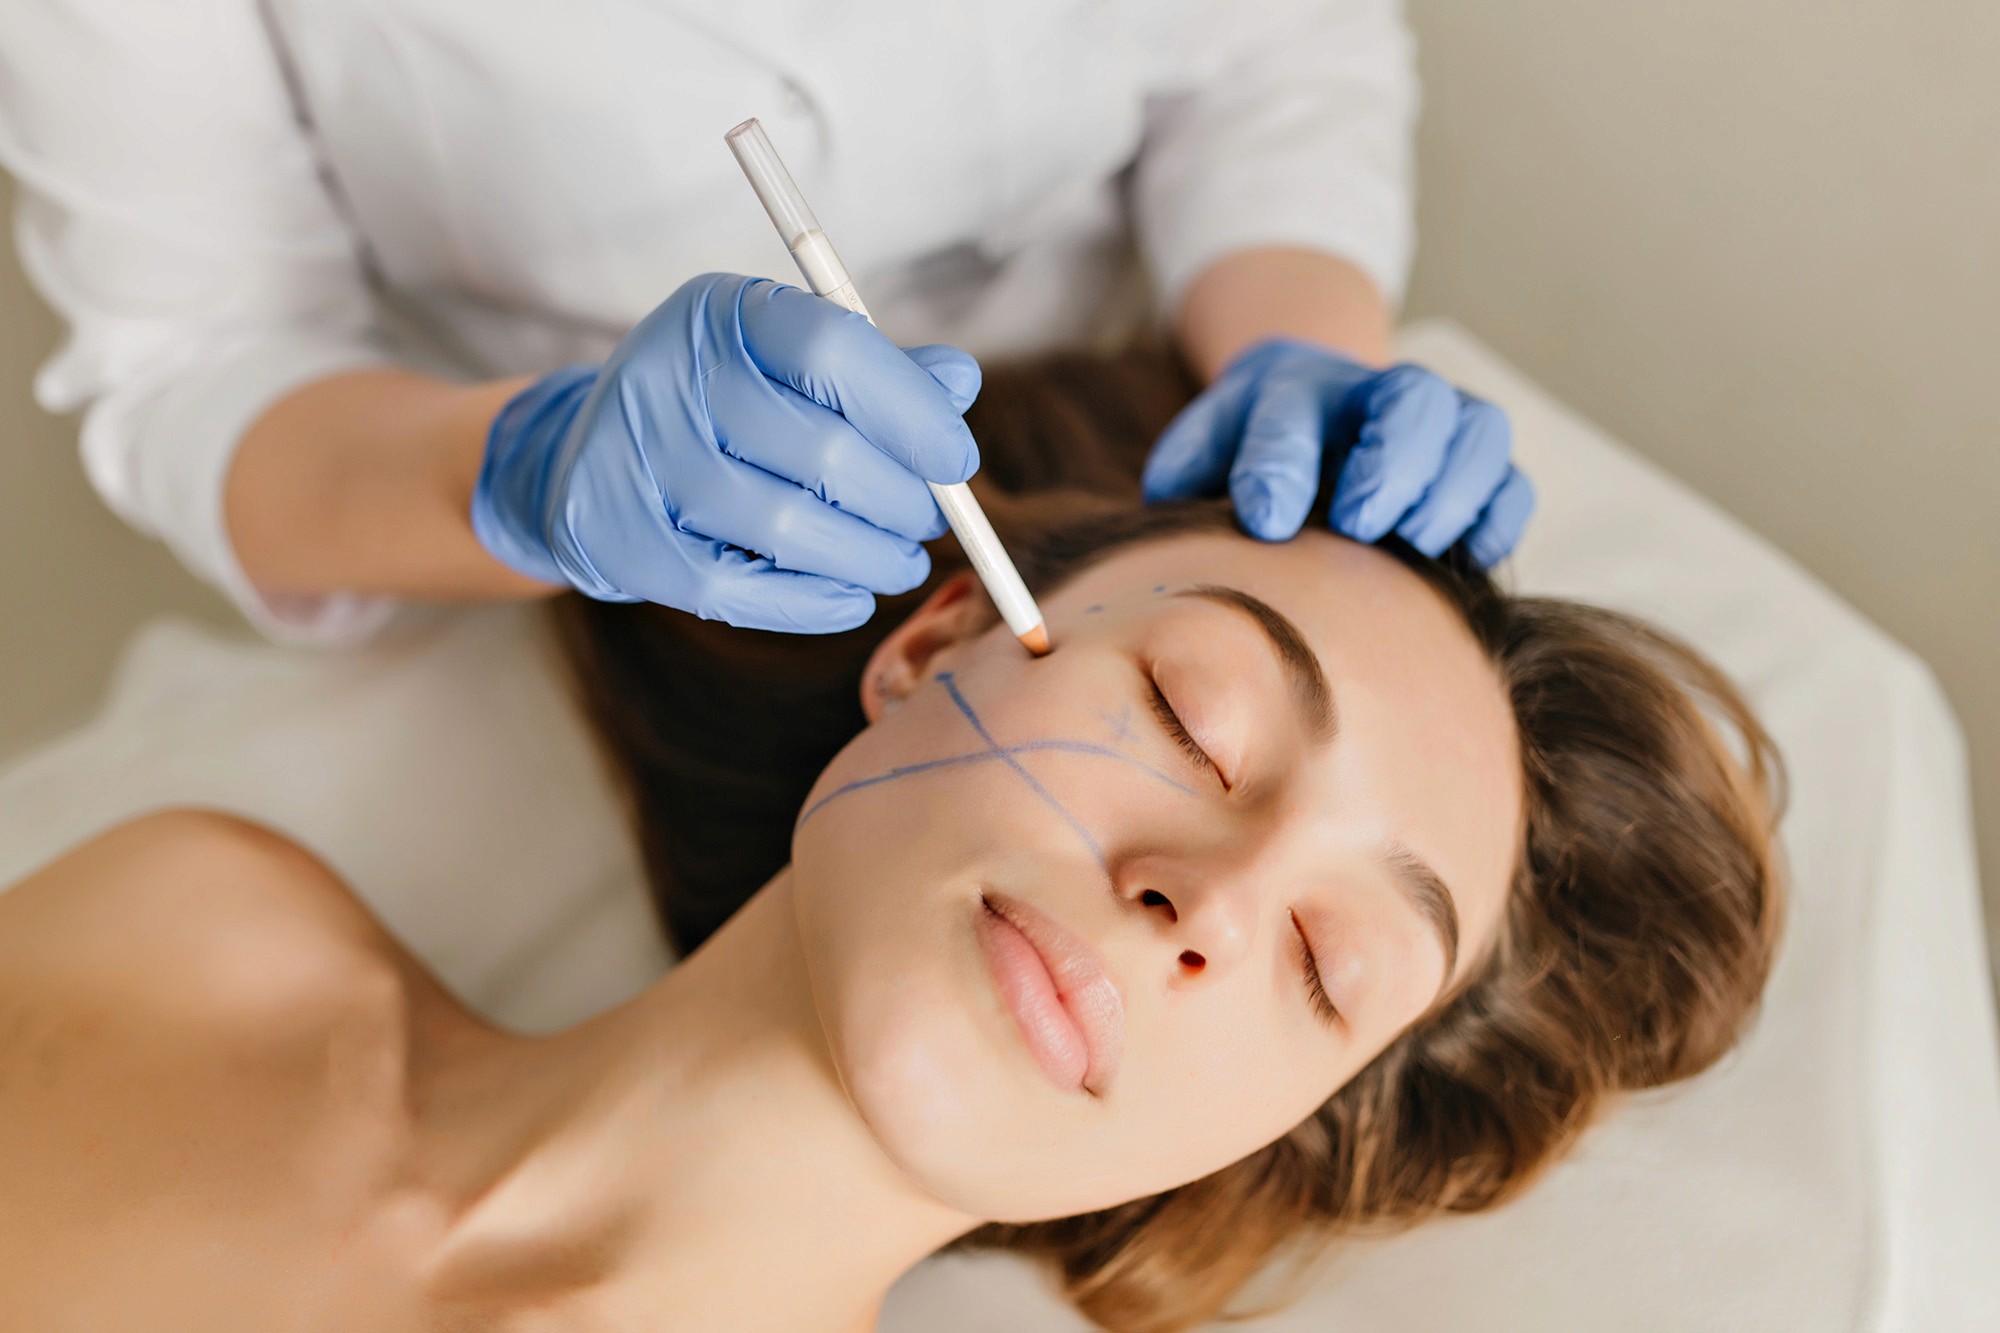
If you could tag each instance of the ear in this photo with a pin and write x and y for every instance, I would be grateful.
(953, 613)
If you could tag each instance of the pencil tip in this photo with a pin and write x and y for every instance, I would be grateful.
(1036, 641)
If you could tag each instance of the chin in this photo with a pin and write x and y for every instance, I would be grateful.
(901, 1005)
(928, 1091)
(955, 1120)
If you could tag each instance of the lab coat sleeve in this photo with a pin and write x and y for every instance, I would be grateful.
(171, 209)
(1282, 122)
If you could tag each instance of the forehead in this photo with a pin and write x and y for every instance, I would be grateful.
(1427, 739)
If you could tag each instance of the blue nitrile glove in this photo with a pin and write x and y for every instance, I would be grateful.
(742, 416)
(1416, 456)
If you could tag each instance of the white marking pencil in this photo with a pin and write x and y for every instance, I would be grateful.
(827, 277)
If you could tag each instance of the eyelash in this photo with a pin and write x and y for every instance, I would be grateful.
(1177, 729)
(1315, 988)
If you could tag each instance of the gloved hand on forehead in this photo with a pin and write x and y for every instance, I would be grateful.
(750, 453)
(1415, 456)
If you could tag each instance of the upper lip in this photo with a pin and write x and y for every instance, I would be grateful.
(1084, 987)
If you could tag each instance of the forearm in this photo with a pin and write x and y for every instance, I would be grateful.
(1273, 292)
(362, 482)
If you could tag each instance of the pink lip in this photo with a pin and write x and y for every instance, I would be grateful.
(1067, 1006)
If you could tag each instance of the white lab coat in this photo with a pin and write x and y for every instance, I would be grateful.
(226, 199)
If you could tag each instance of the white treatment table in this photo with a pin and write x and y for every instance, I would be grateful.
(1841, 1171)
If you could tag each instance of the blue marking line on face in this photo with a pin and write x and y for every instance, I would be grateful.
(1034, 784)
(1120, 724)
(1006, 755)
(1093, 610)
(1159, 587)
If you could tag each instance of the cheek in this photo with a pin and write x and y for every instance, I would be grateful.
(1050, 756)
(1226, 1079)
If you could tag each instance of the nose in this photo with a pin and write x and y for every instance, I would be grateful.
(1208, 907)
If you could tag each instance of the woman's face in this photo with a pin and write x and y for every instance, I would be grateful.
(1348, 782)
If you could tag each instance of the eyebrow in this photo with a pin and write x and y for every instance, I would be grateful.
(1421, 886)
(1308, 678)
(1425, 890)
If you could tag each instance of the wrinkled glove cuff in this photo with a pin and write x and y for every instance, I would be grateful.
(523, 448)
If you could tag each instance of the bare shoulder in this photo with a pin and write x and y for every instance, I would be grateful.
(190, 909)
(193, 1009)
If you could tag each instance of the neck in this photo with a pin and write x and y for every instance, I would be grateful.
(691, 1153)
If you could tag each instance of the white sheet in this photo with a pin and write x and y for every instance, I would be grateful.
(1841, 1171)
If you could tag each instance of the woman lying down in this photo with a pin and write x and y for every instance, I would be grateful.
(1302, 890)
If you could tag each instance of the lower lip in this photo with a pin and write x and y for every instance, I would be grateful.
(1053, 1037)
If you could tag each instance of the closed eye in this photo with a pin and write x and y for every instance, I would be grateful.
(1315, 988)
(1177, 730)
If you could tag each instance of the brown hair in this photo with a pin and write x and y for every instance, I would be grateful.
(1640, 928)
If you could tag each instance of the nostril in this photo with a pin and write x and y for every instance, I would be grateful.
(1154, 898)
(1193, 959)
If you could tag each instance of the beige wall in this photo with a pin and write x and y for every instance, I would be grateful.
(1760, 244)
(73, 579)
